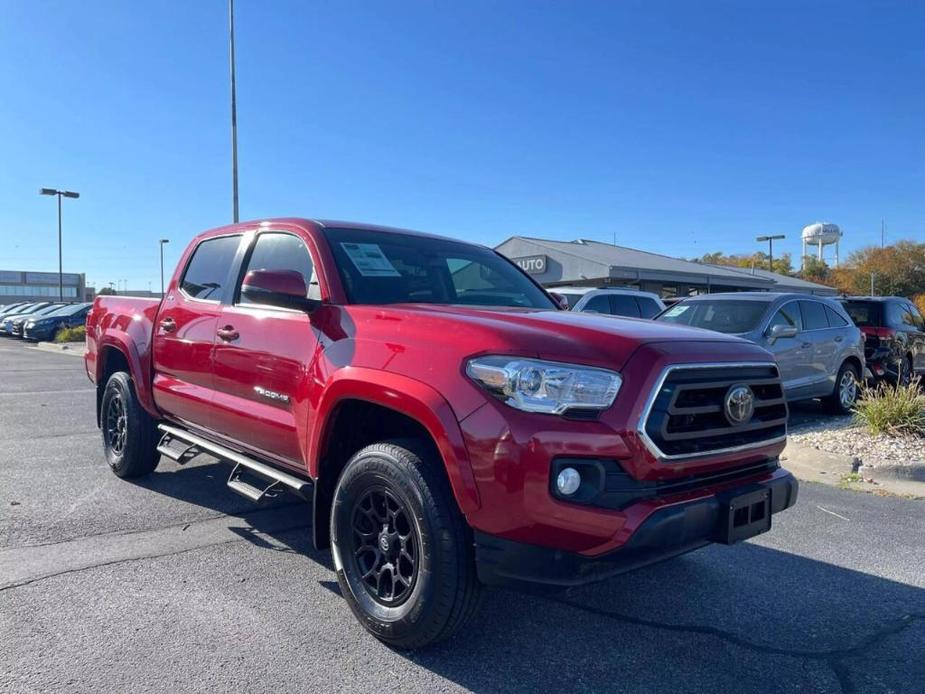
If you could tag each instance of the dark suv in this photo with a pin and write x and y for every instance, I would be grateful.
(894, 332)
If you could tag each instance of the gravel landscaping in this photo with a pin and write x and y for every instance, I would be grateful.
(843, 436)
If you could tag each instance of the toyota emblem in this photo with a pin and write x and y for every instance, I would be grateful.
(740, 404)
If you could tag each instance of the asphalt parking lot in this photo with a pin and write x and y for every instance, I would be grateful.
(175, 583)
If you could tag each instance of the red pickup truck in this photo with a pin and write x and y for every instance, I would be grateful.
(451, 424)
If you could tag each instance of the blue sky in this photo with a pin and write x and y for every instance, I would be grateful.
(679, 127)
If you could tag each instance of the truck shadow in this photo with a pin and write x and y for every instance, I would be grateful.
(744, 618)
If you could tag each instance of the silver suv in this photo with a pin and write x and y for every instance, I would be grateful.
(615, 302)
(819, 350)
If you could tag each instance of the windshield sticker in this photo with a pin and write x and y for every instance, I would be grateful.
(675, 311)
(370, 260)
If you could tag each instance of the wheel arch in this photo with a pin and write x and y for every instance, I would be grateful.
(117, 354)
(366, 406)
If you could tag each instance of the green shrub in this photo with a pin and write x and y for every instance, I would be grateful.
(78, 334)
(892, 409)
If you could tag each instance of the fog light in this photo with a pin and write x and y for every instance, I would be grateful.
(568, 481)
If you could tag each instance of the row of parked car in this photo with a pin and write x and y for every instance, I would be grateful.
(824, 347)
(37, 321)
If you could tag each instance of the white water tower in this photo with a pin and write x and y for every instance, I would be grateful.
(820, 234)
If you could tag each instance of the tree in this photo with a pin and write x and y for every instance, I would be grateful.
(897, 270)
(782, 263)
(106, 291)
(815, 270)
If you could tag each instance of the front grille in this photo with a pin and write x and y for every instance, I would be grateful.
(687, 416)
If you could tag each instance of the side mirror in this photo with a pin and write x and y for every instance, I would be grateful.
(281, 288)
(776, 332)
(561, 300)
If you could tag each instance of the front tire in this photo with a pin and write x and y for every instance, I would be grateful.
(402, 551)
(129, 433)
(845, 395)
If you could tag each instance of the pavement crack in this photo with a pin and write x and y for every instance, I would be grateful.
(244, 514)
(152, 555)
(836, 659)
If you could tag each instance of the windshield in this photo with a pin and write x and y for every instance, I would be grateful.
(390, 268)
(69, 310)
(46, 310)
(724, 316)
(865, 313)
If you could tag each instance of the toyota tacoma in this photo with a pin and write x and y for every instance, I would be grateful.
(451, 425)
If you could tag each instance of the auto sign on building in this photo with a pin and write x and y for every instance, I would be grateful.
(532, 264)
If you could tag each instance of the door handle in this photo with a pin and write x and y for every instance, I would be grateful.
(839, 338)
(228, 333)
(168, 325)
(806, 345)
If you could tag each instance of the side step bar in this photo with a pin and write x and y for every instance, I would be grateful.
(274, 481)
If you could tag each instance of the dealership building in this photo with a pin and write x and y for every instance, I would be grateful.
(595, 264)
(22, 285)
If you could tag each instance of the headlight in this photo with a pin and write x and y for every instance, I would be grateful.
(30, 324)
(545, 386)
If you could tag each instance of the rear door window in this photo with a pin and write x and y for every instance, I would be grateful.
(814, 317)
(622, 305)
(648, 308)
(207, 271)
(598, 304)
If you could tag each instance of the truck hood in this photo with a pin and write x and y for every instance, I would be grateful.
(562, 335)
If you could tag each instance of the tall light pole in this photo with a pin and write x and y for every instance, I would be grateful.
(60, 194)
(161, 243)
(770, 240)
(234, 118)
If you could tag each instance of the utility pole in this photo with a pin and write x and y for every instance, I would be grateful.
(234, 118)
(882, 232)
(770, 240)
(872, 284)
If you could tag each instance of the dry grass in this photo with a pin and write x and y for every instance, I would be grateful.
(894, 410)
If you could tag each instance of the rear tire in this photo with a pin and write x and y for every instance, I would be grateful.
(845, 395)
(129, 433)
(402, 551)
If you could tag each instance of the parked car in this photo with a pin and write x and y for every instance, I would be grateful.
(10, 308)
(819, 350)
(45, 327)
(13, 325)
(895, 335)
(451, 424)
(6, 320)
(616, 302)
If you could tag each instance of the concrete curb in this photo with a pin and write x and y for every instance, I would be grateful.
(814, 465)
(900, 473)
(77, 349)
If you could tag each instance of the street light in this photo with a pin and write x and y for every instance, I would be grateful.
(770, 240)
(234, 117)
(60, 194)
(161, 243)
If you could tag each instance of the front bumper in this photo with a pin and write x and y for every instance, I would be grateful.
(38, 334)
(667, 532)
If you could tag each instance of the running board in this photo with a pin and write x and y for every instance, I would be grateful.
(273, 481)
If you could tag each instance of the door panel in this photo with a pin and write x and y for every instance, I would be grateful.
(794, 355)
(261, 357)
(816, 331)
(185, 332)
(259, 379)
